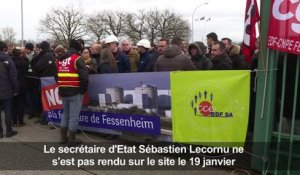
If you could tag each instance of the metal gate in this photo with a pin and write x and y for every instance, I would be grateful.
(276, 139)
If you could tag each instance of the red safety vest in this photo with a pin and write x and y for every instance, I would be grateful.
(67, 72)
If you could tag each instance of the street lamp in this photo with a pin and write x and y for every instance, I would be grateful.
(193, 19)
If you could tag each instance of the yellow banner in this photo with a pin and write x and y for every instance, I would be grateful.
(210, 107)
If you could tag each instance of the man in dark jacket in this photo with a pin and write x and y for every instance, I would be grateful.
(72, 77)
(32, 83)
(162, 44)
(18, 103)
(233, 52)
(219, 57)
(198, 58)
(145, 56)
(8, 89)
(45, 67)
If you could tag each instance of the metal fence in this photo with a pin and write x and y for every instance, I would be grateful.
(276, 139)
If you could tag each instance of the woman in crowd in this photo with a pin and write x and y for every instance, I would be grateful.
(107, 62)
(90, 63)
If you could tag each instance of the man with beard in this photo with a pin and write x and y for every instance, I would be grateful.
(219, 57)
(162, 44)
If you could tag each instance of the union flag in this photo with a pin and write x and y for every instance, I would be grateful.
(249, 39)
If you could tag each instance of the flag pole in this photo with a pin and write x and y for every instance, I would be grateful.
(22, 25)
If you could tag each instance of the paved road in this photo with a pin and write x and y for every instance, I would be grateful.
(33, 132)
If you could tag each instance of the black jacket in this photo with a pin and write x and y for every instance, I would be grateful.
(83, 76)
(22, 67)
(31, 75)
(45, 67)
(8, 77)
(221, 62)
(200, 61)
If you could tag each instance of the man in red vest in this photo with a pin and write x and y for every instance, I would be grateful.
(72, 78)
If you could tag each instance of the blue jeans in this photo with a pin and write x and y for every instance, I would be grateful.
(72, 107)
(5, 105)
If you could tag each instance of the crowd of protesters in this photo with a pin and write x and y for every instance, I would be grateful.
(21, 69)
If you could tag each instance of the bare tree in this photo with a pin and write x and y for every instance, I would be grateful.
(165, 24)
(96, 25)
(152, 31)
(115, 22)
(179, 27)
(8, 34)
(136, 27)
(64, 24)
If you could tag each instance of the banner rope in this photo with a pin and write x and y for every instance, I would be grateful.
(256, 75)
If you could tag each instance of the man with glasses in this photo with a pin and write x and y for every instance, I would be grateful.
(162, 44)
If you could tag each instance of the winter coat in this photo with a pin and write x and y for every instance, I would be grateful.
(144, 60)
(91, 65)
(106, 68)
(31, 75)
(200, 61)
(22, 67)
(173, 60)
(150, 66)
(221, 62)
(8, 77)
(45, 67)
(134, 59)
(122, 61)
(82, 73)
(238, 60)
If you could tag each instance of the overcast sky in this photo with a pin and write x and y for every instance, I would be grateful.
(227, 16)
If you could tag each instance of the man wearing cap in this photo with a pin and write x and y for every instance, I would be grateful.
(145, 56)
(122, 60)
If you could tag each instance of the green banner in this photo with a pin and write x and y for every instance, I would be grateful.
(210, 107)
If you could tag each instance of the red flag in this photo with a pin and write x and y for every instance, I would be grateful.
(251, 18)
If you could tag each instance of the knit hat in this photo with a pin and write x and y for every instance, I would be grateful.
(45, 45)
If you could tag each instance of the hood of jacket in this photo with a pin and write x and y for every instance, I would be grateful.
(234, 50)
(199, 52)
(172, 51)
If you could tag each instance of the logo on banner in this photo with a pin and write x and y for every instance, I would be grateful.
(285, 15)
(202, 105)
